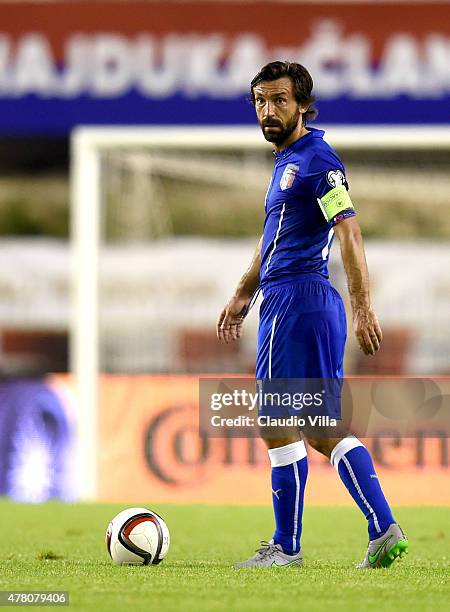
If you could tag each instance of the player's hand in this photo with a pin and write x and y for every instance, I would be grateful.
(231, 319)
(367, 330)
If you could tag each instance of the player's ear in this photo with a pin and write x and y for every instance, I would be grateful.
(302, 109)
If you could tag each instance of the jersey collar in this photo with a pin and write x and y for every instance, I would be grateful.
(299, 144)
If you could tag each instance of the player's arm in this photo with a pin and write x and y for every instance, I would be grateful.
(365, 322)
(326, 177)
(231, 319)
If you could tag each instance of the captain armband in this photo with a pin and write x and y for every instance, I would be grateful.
(336, 202)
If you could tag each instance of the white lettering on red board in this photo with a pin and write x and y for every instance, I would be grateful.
(108, 65)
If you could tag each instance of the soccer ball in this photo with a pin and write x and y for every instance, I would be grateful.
(137, 536)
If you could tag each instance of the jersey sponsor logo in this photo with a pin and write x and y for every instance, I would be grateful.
(288, 177)
(336, 178)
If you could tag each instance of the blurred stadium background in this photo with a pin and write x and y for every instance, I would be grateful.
(178, 226)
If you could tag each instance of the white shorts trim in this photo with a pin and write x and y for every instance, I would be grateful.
(272, 333)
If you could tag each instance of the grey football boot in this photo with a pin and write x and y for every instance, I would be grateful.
(271, 555)
(383, 551)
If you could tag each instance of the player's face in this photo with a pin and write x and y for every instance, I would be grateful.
(278, 112)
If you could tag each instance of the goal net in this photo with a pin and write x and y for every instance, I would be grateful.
(166, 219)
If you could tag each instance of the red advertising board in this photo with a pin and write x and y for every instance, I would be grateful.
(150, 448)
(62, 64)
(280, 23)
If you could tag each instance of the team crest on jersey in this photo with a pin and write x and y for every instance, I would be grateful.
(288, 178)
(336, 178)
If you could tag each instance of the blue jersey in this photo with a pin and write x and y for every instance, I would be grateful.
(307, 196)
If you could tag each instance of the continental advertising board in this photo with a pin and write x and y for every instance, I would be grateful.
(66, 64)
(150, 448)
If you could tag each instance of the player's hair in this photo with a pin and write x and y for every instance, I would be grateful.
(301, 80)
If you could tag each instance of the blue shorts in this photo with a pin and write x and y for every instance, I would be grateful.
(302, 334)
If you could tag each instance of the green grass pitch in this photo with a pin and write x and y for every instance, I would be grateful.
(61, 547)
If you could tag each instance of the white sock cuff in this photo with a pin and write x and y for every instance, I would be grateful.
(342, 448)
(285, 455)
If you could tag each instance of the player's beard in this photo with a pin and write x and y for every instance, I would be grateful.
(283, 134)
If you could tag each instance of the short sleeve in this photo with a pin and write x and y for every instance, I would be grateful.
(328, 184)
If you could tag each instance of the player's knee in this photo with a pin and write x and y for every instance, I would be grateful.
(279, 435)
(272, 442)
(322, 445)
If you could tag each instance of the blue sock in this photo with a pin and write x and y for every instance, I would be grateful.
(289, 474)
(355, 467)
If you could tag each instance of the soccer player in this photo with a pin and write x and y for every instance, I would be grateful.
(302, 328)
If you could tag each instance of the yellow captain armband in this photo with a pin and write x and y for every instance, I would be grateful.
(335, 201)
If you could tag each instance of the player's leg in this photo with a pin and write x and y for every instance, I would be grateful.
(354, 465)
(289, 473)
(287, 452)
(289, 465)
(347, 454)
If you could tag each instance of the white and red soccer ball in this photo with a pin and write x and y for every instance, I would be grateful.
(137, 536)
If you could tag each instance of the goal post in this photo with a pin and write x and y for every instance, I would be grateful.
(88, 145)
